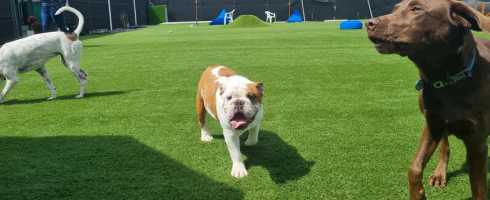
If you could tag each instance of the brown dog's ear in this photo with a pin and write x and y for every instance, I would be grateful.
(463, 15)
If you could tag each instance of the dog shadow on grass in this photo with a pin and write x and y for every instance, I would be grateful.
(464, 171)
(99, 167)
(282, 160)
(93, 45)
(65, 97)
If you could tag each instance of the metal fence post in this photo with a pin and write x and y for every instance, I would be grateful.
(135, 13)
(110, 14)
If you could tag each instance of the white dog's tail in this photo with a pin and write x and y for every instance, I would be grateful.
(81, 19)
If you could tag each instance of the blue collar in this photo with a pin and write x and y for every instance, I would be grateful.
(451, 79)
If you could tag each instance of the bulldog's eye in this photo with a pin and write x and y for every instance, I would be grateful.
(416, 8)
(251, 97)
(228, 98)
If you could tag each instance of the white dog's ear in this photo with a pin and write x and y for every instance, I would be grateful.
(221, 84)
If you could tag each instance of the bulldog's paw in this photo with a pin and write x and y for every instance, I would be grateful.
(51, 98)
(206, 138)
(238, 170)
(251, 142)
(79, 96)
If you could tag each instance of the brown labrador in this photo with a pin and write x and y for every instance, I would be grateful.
(454, 69)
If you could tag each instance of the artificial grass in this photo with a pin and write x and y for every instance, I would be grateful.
(341, 121)
(247, 21)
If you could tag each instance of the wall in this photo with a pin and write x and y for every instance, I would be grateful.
(317, 10)
(158, 2)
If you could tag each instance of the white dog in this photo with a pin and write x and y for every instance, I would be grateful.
(237, 103)
(32, 53)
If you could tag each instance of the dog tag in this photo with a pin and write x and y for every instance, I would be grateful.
(419, 85)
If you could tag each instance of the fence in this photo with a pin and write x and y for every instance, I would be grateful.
(316, 10)
(100, 15)
(8, 21)
(103, 15)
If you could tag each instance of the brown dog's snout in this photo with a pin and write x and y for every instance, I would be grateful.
(371, 24)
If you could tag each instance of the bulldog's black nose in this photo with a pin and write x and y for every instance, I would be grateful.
(239, 105)
(371, 24)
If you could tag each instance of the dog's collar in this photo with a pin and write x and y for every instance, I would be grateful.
(451, 79)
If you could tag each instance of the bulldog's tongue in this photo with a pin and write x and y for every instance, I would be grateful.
(238, 124)
(238, 121)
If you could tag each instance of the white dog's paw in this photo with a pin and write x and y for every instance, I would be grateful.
(238, 170)
(251, 142)
(205, 135)
(51, 98)
(206, 138)
(79, 96)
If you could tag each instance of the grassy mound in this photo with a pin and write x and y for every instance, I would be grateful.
(247, 21)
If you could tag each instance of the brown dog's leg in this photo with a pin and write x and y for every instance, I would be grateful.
(476, 154)
(428, 144)
(439, 178)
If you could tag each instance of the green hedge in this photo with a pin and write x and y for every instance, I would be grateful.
(157, 14)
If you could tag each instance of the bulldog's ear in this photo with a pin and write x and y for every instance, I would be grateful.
(260, 88)
(460, 14)
(256, 91)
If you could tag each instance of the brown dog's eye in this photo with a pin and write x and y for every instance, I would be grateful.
(416, 8)
(251, 97)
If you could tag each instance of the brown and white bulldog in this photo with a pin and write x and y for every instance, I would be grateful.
(236, 103)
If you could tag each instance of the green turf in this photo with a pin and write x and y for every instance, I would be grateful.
(341, 121)
(247, 21)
